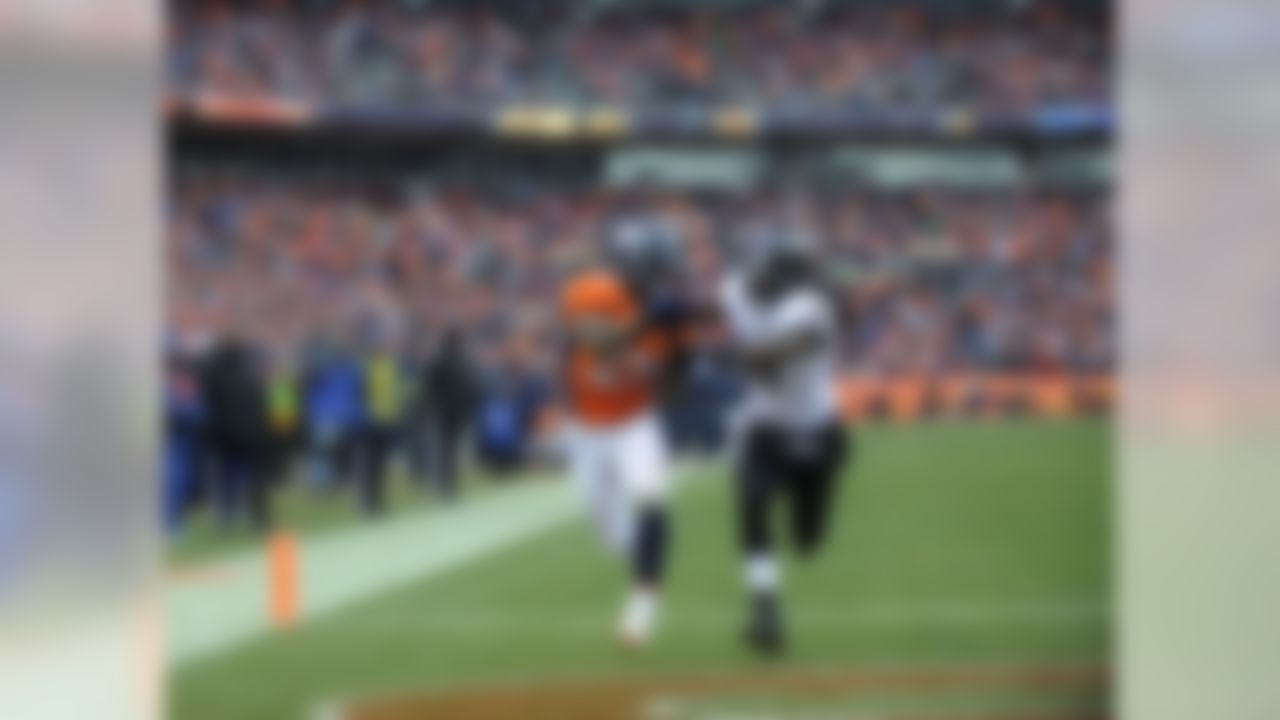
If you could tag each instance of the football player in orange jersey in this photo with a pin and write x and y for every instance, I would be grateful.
(622, 338)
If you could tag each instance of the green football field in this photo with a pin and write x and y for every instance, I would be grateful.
(966, 576)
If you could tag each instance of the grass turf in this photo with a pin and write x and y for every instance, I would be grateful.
(954, 544)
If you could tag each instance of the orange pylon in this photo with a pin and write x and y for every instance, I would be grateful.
(282, 580)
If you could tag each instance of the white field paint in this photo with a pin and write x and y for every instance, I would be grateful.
(345, 567)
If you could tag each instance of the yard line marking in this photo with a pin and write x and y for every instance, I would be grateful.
(708, 619)
(327, 710)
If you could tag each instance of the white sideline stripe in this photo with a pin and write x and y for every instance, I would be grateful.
(724, 619)
(348, 566)
(345, 567)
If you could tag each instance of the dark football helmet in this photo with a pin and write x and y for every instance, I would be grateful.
(775, 258)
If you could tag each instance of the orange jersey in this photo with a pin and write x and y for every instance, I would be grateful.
(605, 387)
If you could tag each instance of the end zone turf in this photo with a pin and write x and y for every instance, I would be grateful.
(996, 693)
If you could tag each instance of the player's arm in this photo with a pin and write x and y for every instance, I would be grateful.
(685, 321)
(811, 324)
(767, 359)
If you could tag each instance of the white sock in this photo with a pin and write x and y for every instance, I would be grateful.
(761, 573)
(640, 614)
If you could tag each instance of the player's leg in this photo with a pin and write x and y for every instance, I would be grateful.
(816, 474)
(592, 474)
(643, 466)
(228, 486)
(757, 477)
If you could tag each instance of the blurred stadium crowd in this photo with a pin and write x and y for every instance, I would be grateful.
(944, 279)
(804, 55)
(330, 316)
(331, 284)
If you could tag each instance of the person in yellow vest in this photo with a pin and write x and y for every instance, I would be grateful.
(283, 419)
(384, 388)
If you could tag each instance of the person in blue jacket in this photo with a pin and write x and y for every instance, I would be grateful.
(184, 416)
(334, 407)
